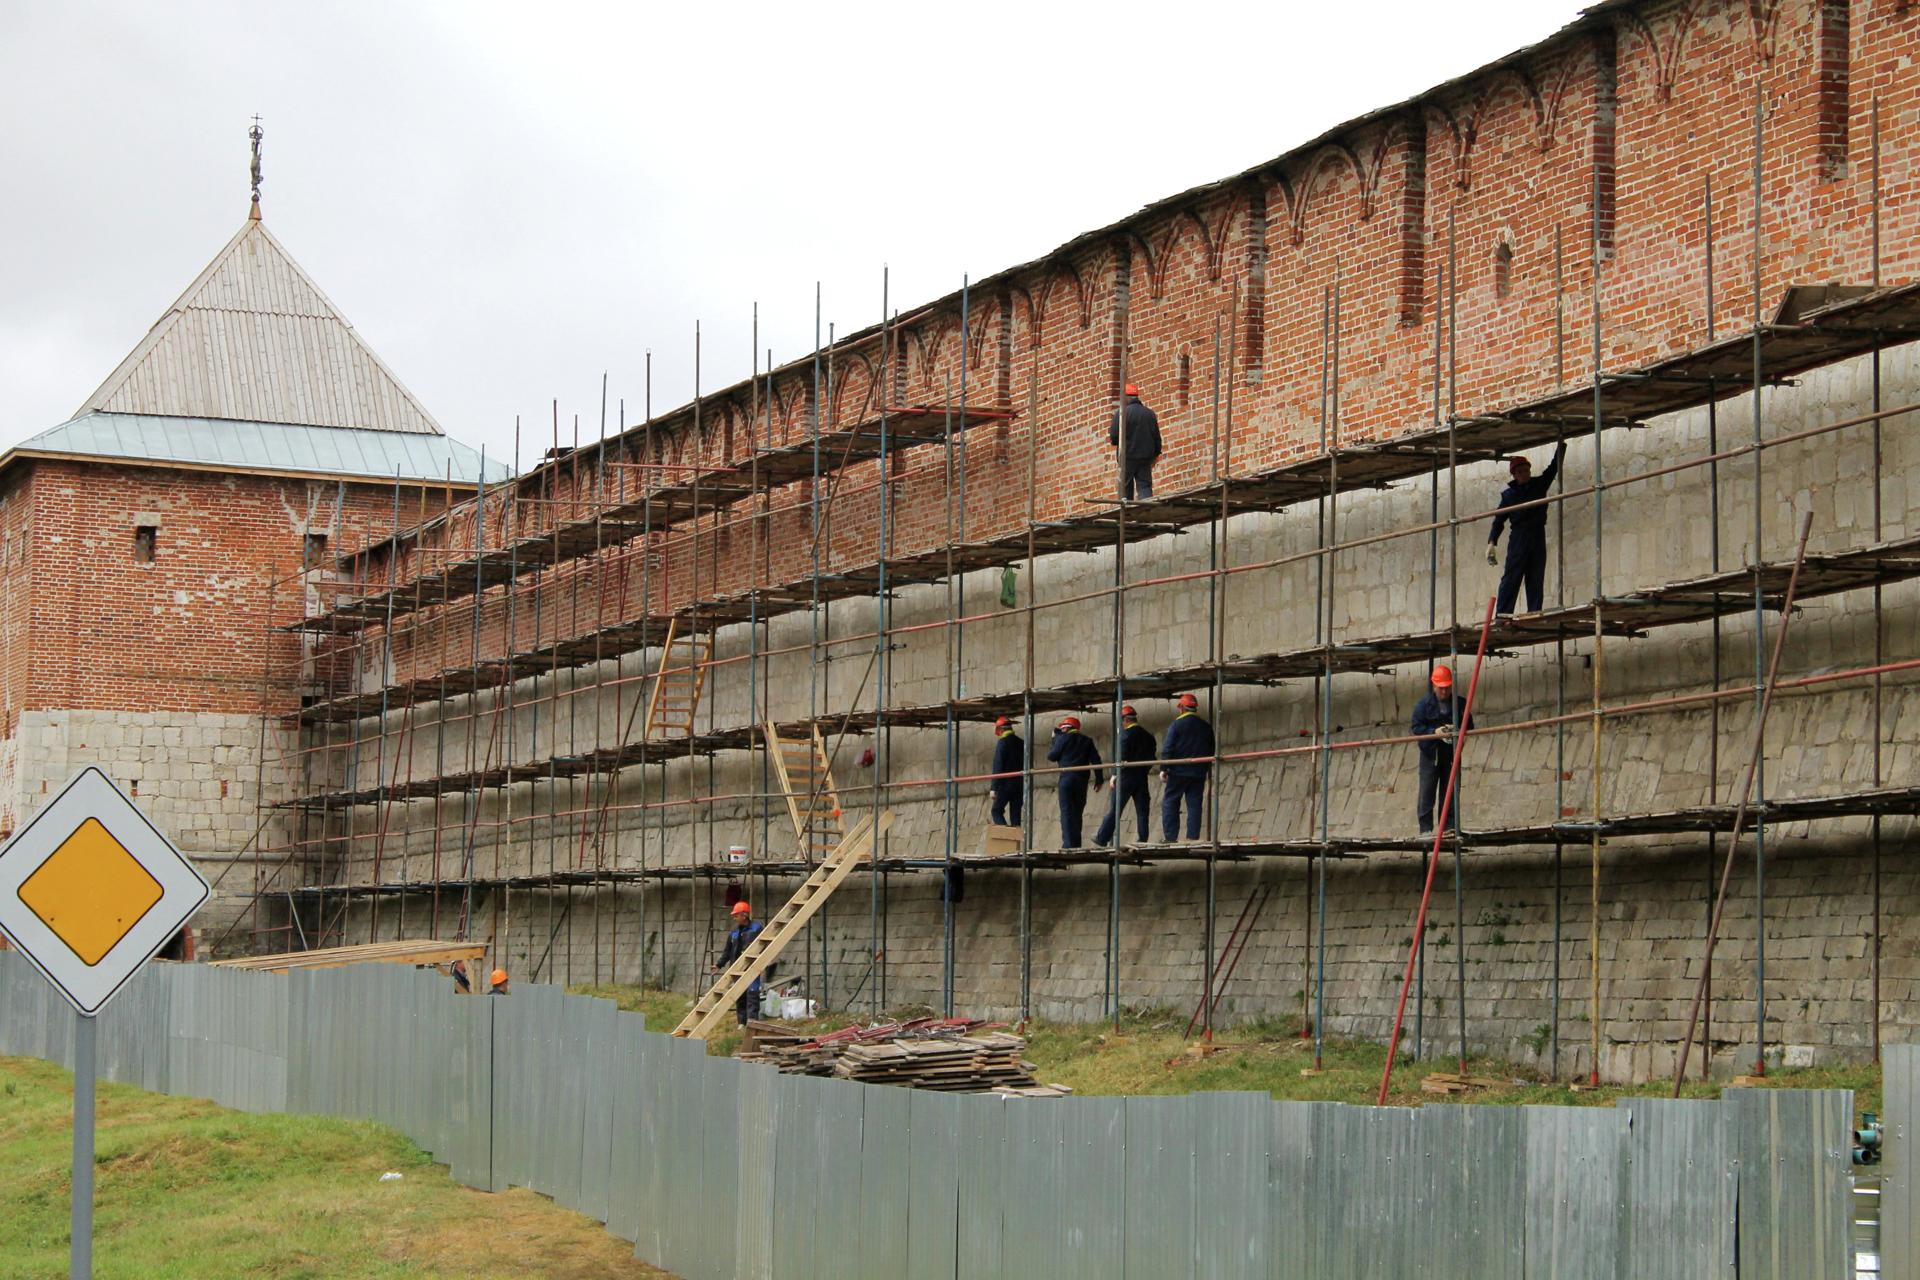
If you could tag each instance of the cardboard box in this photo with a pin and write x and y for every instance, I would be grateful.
(998, 840)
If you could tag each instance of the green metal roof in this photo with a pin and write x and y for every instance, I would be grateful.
(360, 453)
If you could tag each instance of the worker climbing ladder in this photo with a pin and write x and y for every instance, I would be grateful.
(853, 849)
(805, 772)
(677, 685)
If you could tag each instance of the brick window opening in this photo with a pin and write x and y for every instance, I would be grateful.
(145, 538)
(1502, 269)
(313, 550)
(1186, 379)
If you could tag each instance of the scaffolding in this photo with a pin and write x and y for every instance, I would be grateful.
(374, 652)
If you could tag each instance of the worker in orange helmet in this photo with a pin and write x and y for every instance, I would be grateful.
(497, 984)
(1135, 435)
(1436, 719)
(1073, 750)
(1009, 770)
(1189, 750)
(739, 938)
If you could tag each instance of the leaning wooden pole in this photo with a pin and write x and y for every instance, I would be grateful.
(1433, 862)
(1740, 809)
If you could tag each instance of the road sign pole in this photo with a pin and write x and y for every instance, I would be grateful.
(83, 1077)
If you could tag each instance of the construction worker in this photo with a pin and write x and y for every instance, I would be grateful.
(1188, 737)
(497, 984)
(739, 938)
(1135, 435)
(462, 983)
(1438, 718)
(1073, 750)
(1527, 548)
(1009, 766)
(1130, 780)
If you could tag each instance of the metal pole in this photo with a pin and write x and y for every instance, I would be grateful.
(85, 1030)
(1599, 513)
(1759, 627)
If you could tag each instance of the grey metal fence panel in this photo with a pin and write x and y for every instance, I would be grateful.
(1092, 1231)
(720, 1175)
(1470, 1203)
(1292, 1169)
(623, 1127)
(836, 1191)
(472, 1089)
(652, 1085)
(1364, 1176)
(884, 1173)
(685, 1227)
(1159, 1189)
(1574, 1166)
(933, 1184)
(1681, 1184)
(563, 1134)
(1900, 1160)
(1231, 1140)
(983, 1163)
(1795, 1152)
(1033, 1195)
(797, 1171)
(601, 1080)
(754, 1246)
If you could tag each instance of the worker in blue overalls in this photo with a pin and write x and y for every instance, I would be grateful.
(1073, 750)
(1527, 548)
(1009, 769)
(739, 938)
(1189, 742)
(1130, 784)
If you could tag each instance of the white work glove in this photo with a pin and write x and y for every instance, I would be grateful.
(1493, 554)
(1446, 733)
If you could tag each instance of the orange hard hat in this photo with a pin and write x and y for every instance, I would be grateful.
(1442, 677)
(499, 977)
(741, 908)
(1519, 463)
(1132, 390)
(1188, 702)
(1128, 713)
(1002, 723)
(1069, 722)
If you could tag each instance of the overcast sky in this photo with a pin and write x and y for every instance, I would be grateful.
(507, 200)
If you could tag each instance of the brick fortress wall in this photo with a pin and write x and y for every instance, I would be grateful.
(1609, 135)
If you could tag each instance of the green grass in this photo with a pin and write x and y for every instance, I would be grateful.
(186, 1190)
(1149, 1055)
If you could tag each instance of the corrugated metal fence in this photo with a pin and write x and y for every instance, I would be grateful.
(716, 1168)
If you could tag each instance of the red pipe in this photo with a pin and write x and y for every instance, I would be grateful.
(1433, 862)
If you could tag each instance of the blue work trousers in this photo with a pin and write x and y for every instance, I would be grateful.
(1006, 808)
(1526, 563)
(1073, 807)
(1125, 794)
(1188, 791)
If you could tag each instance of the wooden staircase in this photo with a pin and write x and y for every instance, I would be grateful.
(805, 772)
(853, 849)
(677, 685)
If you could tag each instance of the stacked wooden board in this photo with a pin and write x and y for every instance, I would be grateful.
(947, 1054)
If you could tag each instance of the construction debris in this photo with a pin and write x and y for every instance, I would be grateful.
(1448, 1083)
(925, 1053)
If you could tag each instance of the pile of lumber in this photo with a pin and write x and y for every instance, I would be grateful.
(954, 1055)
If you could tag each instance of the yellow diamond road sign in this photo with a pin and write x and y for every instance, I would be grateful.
(90, 890)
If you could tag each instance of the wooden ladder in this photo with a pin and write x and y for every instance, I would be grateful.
(854, 848)
(813, 800)
(677, 684)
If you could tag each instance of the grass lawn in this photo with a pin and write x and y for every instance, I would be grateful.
(188, 1190)
(1149, 1055)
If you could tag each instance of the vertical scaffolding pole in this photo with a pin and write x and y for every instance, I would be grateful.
(883, 676)
(1759, 619)
(1879, 629)
(1599, 515)
(1329, 540)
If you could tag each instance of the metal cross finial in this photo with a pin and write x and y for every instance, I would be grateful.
(256, 133)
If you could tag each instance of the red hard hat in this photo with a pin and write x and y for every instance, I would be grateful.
(1132, 390)
(1069, 722)
(1518, 463)
(741, 908)
(1442, 677)
(1188, 702)
(1002, 723)
(1128, 713)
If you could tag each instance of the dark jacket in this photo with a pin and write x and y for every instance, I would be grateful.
(1429, 714)
(1188, 736)
(1534, 519)
(1143, 430)
(738, 940)
(1009, 762)
(1135, 744)
(1072, 748)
